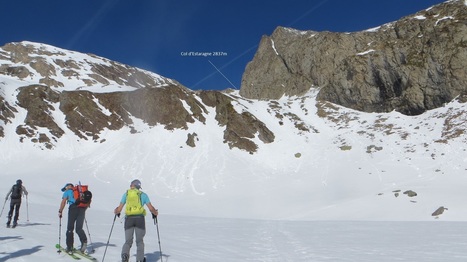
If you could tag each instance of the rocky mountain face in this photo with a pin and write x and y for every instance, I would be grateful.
(94, 94)
(412, 65)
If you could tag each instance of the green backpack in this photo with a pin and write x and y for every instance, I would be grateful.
(134, 207)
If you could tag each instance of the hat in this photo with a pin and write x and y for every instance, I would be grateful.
(136, 183)
(19, 182)
(64, 188)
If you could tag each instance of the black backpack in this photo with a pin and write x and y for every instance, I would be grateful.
(16, 191)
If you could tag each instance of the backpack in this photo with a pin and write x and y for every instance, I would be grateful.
(82, 195)
(134, 207)
(16, 191)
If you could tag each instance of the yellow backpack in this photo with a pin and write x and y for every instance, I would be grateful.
(133, 204)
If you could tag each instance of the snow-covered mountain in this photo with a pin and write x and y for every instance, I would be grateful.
(228, 156)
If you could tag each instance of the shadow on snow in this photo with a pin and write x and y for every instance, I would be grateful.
(156, 256)
(20, 253)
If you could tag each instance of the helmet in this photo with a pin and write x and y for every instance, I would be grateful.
(66, 185)
(136, 183)
(19, 182)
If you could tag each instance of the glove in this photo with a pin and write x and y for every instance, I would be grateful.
(153, 216)
(116, 211)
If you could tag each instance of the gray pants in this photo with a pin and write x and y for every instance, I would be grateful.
(134, 225)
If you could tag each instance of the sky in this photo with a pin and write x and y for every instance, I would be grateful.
(203, 44)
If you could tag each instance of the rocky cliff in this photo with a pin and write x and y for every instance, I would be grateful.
(412, 65)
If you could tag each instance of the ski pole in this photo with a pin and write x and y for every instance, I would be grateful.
(27, 207)
(3, 206)
(111, 229)
(158, 237)
(59, 234)
(90, 241)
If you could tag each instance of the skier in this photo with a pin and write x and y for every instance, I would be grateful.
(134, 199)
(17, 191)
(76, 215)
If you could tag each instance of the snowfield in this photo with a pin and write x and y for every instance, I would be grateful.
(185, 238)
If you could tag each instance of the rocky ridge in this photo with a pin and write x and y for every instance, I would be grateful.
(95, 94)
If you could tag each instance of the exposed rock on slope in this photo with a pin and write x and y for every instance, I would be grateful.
(412, 65)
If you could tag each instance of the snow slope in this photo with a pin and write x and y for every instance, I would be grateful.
(324, 195)
(348, 166)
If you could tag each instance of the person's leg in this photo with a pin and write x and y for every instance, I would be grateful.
(140, 231)
(72, 215)
(129, 231)
(10, 213)
(80, 215)
(16, 206)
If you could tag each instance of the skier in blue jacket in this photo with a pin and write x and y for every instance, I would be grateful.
(76, 215)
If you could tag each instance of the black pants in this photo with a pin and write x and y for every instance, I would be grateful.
(76, 216)
(15, 204)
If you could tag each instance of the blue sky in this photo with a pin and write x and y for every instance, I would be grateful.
(158, 35)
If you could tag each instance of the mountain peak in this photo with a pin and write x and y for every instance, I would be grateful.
(69, 70)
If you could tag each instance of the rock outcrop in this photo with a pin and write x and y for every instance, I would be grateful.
(412, 65)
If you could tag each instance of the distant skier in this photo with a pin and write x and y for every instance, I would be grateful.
(134, 199)
(17, 191)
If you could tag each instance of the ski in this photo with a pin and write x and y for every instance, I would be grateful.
(84, 255)
(61, 249)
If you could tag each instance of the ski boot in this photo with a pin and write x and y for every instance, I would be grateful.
(69, 250)
(84, 245)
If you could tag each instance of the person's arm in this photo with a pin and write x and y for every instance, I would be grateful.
(25, 192)
(118, 209)
(152, 209)
(8, 194)
(62, 206)
(145, 200)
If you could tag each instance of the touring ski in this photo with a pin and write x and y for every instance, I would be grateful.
(72, 255)
(84, 255)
